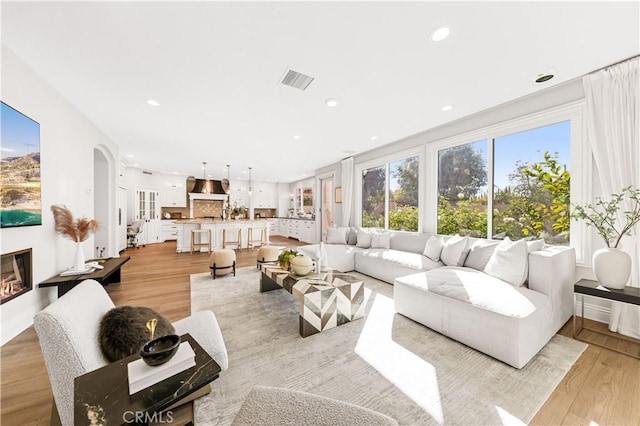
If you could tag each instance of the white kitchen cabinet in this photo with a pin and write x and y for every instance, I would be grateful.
(169, 230)
(122, 175)
(265, 195)
(274, 228)
(307, 231)
(173, 192)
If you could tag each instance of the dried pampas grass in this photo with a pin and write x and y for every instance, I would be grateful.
(76, 230)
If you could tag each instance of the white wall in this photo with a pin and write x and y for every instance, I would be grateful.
(67, 141)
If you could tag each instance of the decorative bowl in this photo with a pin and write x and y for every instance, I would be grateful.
(160, 350)
(301, 264)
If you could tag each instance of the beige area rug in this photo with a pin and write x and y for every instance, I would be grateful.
(384, 361)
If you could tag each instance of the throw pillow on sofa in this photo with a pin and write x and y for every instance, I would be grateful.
(535, 245)
(381, 240)
(123, 330)
(352, 236)
(454, 251)
(364, 238)
(337, 235)
(509, 262)
(479, 254)
(433, 247)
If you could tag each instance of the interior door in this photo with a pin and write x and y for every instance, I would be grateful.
(326, 206)
(148, 210)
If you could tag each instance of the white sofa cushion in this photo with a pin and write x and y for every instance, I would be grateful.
(337, 235)
(363, 238)
(509, 262)
(433, 247)
(473, 287)
(453, 251)
(381, 240)
(480, 253)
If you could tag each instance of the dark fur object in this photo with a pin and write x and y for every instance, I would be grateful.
(123, 330)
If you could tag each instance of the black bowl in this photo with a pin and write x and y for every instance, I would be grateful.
(160, 350)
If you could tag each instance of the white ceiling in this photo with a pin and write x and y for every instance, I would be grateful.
(215, 68)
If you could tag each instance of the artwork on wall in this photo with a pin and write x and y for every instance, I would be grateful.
(339, 194)
(20, 172)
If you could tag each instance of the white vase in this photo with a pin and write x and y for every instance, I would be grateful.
(612, 267)
(78, 260)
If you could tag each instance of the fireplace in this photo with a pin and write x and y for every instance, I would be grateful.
(17, 274)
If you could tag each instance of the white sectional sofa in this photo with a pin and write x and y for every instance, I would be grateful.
(475, 297)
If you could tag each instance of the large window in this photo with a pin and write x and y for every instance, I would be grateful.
(531, 186)
(462, 189)
(390, 195)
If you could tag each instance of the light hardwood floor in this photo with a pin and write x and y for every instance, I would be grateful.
(603, 387)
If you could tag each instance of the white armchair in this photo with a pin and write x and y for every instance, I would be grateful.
(68, 331)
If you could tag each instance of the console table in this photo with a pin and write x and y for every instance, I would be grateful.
(630, 295)
(103, 394)
(109, 274)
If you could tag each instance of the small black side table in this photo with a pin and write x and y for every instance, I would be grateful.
(628, 294)
(104, 393)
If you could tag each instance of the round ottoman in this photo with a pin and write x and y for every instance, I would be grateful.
(267, 254)
(222, 262)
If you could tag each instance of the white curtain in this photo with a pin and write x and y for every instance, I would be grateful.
(613, 130)
(347, 190)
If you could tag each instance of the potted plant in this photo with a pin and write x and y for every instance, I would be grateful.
(284, 258)
(611, 265)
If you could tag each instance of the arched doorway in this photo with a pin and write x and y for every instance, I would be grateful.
(104, 202)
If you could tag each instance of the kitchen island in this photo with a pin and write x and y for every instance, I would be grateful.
(183, 243)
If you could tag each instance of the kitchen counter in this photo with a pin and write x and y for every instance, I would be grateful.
(297, 218)
(220, 221)
(216, 226)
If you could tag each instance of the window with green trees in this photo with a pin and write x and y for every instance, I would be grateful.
(390, 195)
(531, 186)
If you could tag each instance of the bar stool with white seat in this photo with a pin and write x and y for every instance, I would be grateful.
(201, 233)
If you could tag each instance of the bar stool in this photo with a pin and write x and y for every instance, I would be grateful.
(201, 234)
(251, 242)
(230, 229)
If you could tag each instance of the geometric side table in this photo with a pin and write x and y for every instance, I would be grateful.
(630, 295)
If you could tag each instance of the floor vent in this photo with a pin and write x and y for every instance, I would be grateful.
(296, 80)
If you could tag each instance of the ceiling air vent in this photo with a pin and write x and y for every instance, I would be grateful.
(144, 172)
(296, 80)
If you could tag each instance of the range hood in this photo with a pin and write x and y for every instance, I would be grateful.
(207, 186)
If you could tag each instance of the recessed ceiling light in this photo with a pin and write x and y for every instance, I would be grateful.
(130, 155)
(447, 108)
(153, 102)
(373, 138)
(304, 175)
(244, 172)
(136, 165)
(331, 102)
(296, 136)
(545, 75)
(175, 173)
(440, 33)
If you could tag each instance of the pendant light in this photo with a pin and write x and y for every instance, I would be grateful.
(226, 184)
(205, 186)
(250, 181)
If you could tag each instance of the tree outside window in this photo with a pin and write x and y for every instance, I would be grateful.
(390, 195)
(531, 186)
